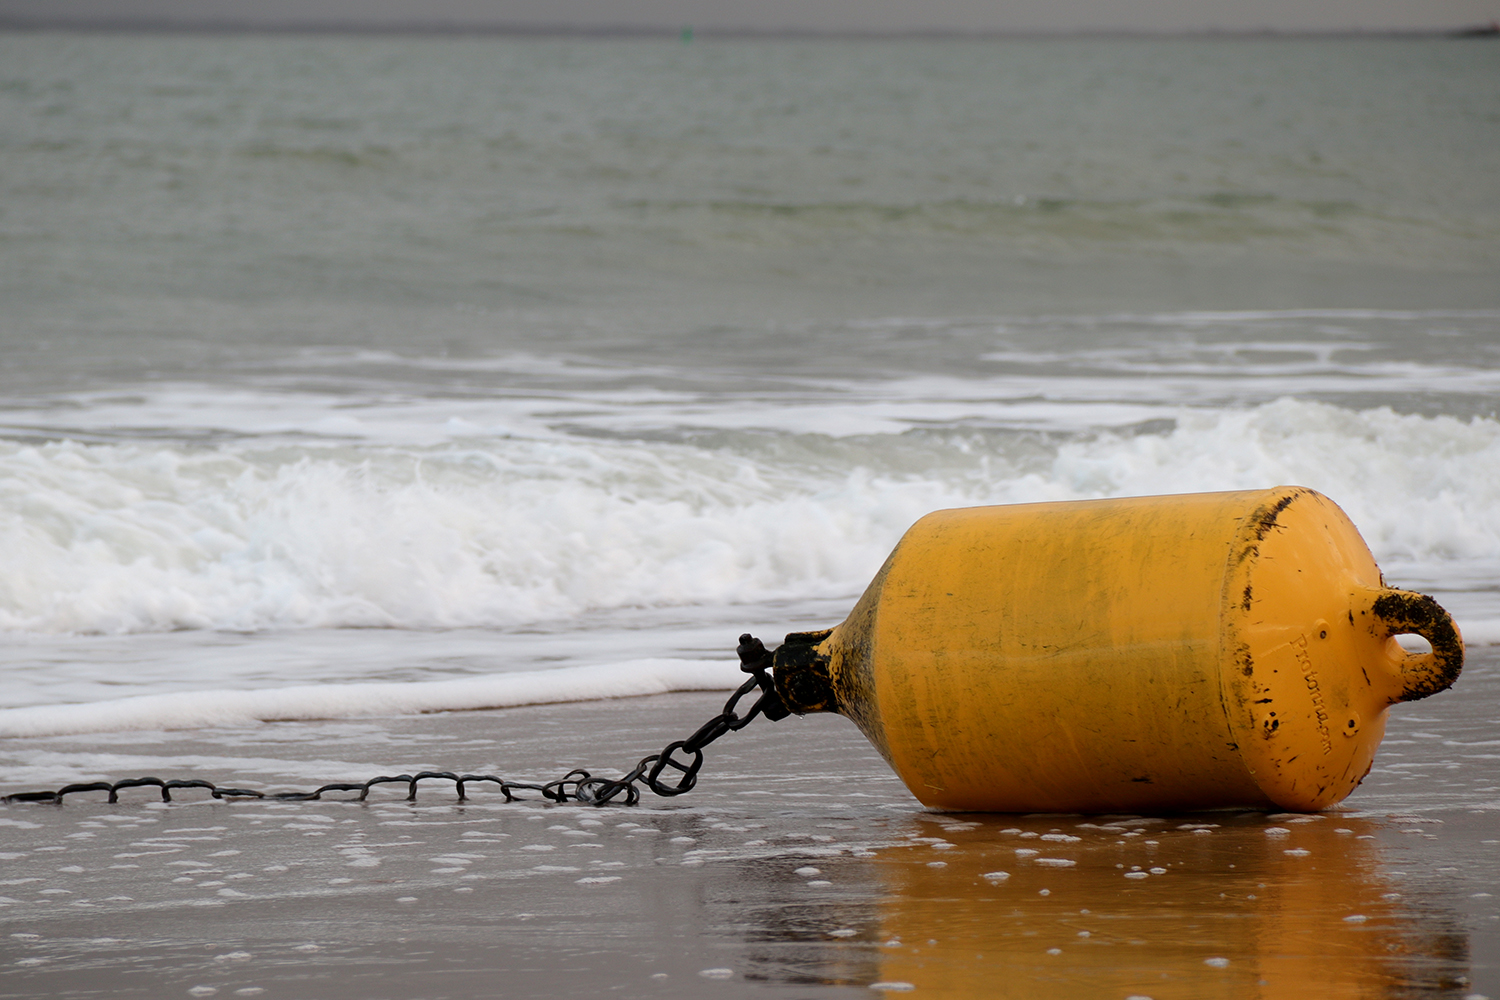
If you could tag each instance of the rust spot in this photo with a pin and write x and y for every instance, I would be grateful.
(1242, 656)
(1245, 603)
(1267, 520)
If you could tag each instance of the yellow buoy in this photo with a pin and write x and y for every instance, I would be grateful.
(1173, 652)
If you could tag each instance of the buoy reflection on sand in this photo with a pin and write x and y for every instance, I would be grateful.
(1251, 908)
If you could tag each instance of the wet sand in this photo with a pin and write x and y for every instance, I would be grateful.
(800, 868)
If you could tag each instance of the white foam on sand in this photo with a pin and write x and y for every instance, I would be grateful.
(197, 709)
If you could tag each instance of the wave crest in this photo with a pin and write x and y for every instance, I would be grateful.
(131, 538)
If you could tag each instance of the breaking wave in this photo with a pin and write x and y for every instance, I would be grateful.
(485, 530)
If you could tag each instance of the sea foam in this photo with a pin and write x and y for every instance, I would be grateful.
(484, 530)
(197, 709)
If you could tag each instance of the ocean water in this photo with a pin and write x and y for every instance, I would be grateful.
(388, 374)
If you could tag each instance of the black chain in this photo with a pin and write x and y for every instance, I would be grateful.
(575, 786)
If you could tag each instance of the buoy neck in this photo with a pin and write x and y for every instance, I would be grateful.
(802, 672)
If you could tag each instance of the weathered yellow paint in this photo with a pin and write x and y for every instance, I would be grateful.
(1195, 651)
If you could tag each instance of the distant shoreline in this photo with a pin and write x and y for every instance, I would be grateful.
(463, 29)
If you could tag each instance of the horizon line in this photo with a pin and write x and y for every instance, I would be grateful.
(143, 25)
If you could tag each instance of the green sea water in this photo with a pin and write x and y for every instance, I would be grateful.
(174, 202)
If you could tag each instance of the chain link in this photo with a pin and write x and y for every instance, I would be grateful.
(576, 786)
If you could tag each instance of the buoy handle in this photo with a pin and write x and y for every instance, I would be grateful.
(1398, 612)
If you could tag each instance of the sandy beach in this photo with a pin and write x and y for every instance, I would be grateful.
(800, 867)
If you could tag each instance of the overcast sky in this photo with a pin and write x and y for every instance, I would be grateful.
(791, 15)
